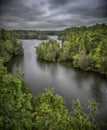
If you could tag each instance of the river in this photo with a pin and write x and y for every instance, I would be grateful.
(68, 82)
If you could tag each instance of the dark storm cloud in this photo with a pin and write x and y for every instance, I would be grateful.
(58, 3)
(104, 7)
(51, 14)
(19, 8)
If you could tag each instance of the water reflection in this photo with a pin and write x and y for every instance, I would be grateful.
(68, 82)
(85, 85)
(16, 63)
(98, 91)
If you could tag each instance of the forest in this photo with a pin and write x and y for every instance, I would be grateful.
(83, 47)
(20, 110)
(9, 46)
(32, 34)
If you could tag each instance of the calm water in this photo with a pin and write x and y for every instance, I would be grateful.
(68, 82)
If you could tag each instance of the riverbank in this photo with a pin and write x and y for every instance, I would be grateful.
(84, 48)
(9, 46)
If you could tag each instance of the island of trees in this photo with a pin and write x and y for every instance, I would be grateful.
(20, 110)
(83, 47)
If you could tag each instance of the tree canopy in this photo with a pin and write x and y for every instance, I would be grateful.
(9, 45)
(83, 47)
(20, 110)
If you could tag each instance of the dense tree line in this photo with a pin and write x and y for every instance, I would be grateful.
(83, 47)
(34, 34)
(9, 45)
(15, 102)
(30, 34)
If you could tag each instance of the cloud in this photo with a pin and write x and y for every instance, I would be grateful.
(51, 14)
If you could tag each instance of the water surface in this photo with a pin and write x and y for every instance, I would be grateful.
(68, 82)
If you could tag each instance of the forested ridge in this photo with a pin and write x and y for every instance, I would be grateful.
(83, 47)
(34, 34)
(30, 34)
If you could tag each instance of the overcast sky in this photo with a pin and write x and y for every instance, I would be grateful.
(51, 14)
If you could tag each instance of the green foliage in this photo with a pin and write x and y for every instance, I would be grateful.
(48, 51)
(84, 47)
(9, 45)
(50, 112)
(100, 56)
(30, 34)
(65, 52)
(15, 102)
(80, 120)
(20, 110)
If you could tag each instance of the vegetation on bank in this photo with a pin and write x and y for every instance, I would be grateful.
(9, 46)
(30, 34)
(84, 47)
(48, 51)
(35, 34)
(20, 110)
